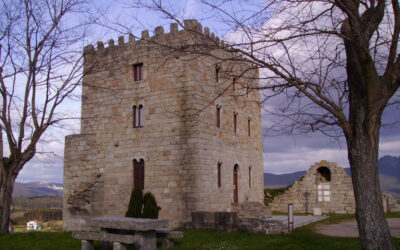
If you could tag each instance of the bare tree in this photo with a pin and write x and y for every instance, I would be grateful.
(333, 64)
(40, 66)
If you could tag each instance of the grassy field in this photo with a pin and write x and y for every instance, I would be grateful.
(301, 238)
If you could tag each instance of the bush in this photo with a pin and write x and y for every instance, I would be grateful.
(135, 204)
(142, 207)
(150, 208)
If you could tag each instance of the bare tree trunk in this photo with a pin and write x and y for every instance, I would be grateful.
(6, 188)
(363, 156)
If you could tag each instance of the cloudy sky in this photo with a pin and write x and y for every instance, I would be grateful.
(282, 154)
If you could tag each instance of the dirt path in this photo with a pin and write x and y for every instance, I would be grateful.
(349, 228)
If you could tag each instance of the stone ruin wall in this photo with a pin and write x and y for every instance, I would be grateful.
(303, 193)
(179, 142)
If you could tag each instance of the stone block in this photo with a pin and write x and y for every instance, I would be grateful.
(317, 211)
(203, 220)
(226, 221)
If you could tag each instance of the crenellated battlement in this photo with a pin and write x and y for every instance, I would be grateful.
(191, 25)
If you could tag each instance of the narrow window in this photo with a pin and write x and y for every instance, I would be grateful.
(249, 177)
(234, 122)
(218, 111)
(219, 174)
(135, 110)
(249, 126)
(138, 174)
(217, 69)
(138, 116)
(138, 72)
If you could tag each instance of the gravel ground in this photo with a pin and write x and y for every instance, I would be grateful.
(349, 228)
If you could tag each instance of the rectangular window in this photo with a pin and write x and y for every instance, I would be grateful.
(248, 127)
(219, 174)
(138, 72)
(217, 69)
(249, 177)
(324, 193)
(138, 174)
(235, 122)
(218, 116)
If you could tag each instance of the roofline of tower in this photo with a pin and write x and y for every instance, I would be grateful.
(189, 25)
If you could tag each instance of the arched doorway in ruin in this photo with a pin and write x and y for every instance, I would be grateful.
(323, 182)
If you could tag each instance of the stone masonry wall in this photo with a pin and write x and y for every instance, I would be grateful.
(83, 192)
(179, 141)
(303, 193)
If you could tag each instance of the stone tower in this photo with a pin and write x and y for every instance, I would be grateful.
(183, 126)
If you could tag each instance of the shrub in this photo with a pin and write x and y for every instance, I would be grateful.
(142, 207)
(150, 208)
(135, 204)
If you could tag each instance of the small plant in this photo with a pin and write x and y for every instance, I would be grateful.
(150, 208)
(142, 206)
(135, 204)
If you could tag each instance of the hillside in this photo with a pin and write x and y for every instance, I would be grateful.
(33, 189)
(389, 174)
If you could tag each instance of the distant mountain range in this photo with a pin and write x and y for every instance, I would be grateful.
(33, 189)
(389, 174)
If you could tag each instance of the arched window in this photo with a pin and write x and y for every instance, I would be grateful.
(323, 174)
(138, 174)
(138, 116)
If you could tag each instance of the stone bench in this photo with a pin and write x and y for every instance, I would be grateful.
(168, 237)
(119, 241)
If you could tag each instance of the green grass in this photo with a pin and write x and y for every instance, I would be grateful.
(301, 238)
(39, 241)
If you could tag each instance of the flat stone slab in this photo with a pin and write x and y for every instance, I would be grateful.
(102, 236)
(298, 221)
(123, 223)
(349, 228)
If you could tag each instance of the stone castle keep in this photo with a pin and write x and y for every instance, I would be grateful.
(185, 127)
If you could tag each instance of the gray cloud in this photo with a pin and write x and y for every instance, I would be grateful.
(48, 169)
